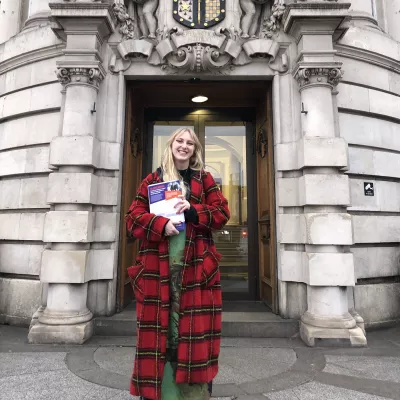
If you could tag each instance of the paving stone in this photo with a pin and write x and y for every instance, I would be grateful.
(60, 384)
(258, 363)
(381, 368)
(249, 370)
(318, 391)
(228, 374)
(237, 365)
(25, 363)
(118, 360)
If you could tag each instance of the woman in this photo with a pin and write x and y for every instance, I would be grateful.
(176, 280)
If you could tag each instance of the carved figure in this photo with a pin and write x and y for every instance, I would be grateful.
(126, 22)
(273, 22)
(251, 15)
(147, 21)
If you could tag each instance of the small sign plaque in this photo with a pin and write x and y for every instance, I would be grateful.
(369, 189)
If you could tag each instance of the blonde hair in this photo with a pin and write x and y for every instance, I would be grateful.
(170, 172)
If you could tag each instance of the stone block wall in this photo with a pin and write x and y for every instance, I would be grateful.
(59, 163)
(369, 121)
(30, 102)
(332, 238)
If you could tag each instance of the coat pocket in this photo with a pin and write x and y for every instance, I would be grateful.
(210, 268)
(135, 273)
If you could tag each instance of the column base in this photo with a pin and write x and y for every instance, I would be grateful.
(36, 316)
(355, 336)
(60, 334)
(359, 320)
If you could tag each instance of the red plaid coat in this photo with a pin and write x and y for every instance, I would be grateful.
(201, 300)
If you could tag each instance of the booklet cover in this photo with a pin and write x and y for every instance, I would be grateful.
(162, 199)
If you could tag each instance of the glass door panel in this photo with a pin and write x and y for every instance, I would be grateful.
(226, 160)
(229, 156)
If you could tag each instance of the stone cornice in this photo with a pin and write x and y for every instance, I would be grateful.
(317, 5)
(302, 16)
(31, 57)
(368, 57)
(87, 5)
(63, 13)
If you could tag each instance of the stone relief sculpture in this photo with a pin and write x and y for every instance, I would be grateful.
(251, 15)
(146, 20)
(195, 47)
(126, 22)
(252, 10)
(272, 23)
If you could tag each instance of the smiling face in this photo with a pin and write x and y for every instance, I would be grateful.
(182, 150)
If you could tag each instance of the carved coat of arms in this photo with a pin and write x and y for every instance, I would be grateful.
(148, 31)
(199, 14)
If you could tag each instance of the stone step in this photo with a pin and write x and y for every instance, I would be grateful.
(239, 319)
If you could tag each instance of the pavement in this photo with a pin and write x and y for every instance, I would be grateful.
(250, 369)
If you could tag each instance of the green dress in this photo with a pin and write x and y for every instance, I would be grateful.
(170, 390)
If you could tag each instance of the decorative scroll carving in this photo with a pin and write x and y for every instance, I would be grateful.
(312, 76)
(78, 75)
(199, 50)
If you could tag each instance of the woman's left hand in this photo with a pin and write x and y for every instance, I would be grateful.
(182, 205)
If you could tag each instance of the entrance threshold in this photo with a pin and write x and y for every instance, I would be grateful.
(239, 319)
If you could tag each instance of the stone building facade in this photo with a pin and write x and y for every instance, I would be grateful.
(334, 72)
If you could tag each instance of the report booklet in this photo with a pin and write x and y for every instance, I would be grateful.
(162, 199)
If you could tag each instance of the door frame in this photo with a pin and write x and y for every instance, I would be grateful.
(222, 114)
(147, 93)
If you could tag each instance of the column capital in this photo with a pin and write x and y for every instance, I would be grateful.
(83, 25)
(81, 75)
(316, 75)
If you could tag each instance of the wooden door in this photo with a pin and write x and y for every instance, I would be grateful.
(266, 203)
(132, 175)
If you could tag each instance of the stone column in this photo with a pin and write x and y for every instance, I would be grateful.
(362, 6)
(76, 234)
(10, 19)
(392, 13)
(39, 11)
(324, 188)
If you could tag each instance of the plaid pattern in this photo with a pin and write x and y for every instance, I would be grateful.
(201, 300)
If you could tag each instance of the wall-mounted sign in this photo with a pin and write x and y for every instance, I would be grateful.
(369, 189)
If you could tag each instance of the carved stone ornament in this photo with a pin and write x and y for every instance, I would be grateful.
(180, 50)
(78, 75)
(317, 76)
(199, 13)
(125, 22)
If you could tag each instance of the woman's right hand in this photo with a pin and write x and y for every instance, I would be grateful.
(170, 229)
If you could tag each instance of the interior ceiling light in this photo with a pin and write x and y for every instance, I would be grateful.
(199, 99)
